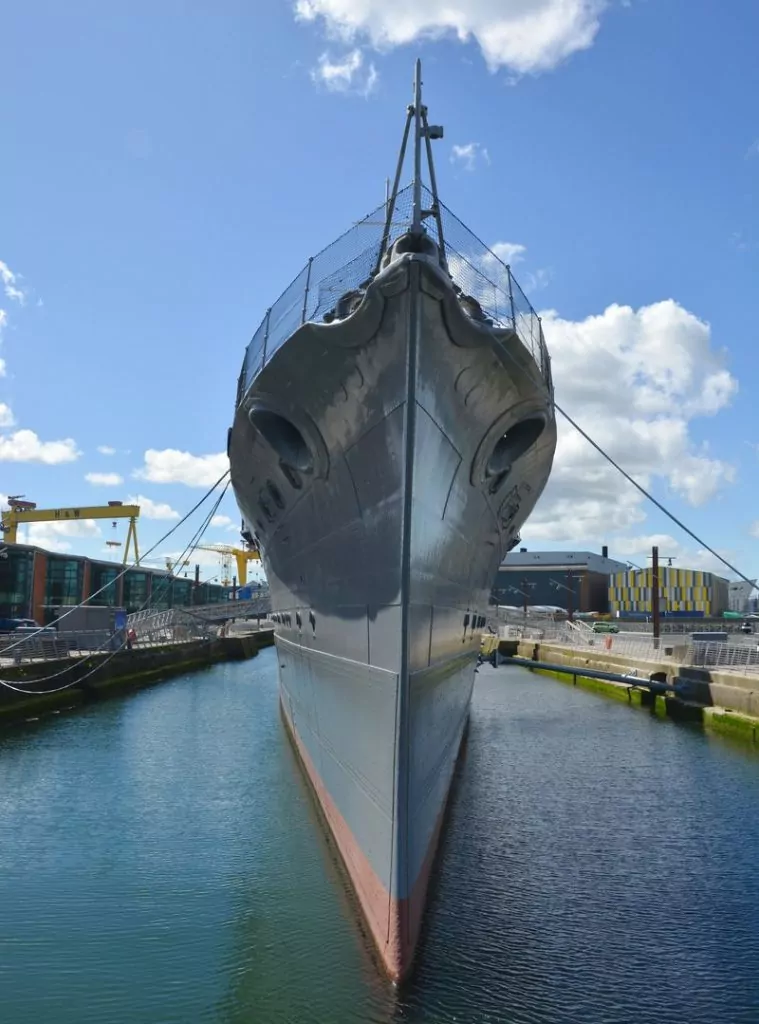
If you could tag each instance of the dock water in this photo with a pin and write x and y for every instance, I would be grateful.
(161, 860)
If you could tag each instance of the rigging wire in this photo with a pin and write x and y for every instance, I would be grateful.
(195, 540)
(128, 568)
(646, 494)
(651, 498)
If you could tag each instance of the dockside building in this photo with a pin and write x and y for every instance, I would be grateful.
(34, 583)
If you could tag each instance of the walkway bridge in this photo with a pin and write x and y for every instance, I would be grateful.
(196, 620)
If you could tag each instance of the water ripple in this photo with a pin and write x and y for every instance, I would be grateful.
(161, 861)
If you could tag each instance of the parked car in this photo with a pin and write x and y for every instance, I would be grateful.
(11, 625)
(746, 627)
(605, 627)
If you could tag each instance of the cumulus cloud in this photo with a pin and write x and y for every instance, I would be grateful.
(150, 509)
(171, 466)
(25, 446)
(523, 35)
(508, 252)
(10, 284)
(104, 479)
(205, 559)
(7, 419)
(637, 550)
(346, 74)
(222, 521)
(105, 449)
(469, 155)
(635, 380)
(56, 536)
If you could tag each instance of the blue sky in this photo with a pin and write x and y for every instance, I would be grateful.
(167, 169)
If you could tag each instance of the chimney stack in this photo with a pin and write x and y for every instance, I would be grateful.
(604, 552)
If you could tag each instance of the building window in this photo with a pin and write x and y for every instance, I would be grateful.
(16, 584)
(135, 590)
(161, 592)
(63, 585)
(182, 593)
(104, 576)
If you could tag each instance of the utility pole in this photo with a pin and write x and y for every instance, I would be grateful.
(655, 611)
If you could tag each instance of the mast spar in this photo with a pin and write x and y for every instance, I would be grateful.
(416, 113)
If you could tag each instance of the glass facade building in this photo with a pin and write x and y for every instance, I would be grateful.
(105, 576)
(64, 581)
(16, 579)
(35, 583)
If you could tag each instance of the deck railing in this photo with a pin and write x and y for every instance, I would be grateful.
(350, 261)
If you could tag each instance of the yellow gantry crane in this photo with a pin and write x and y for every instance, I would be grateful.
(27, 512)
(241, 556)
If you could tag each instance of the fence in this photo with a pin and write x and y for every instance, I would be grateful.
(681, 649)
(350, 262)
(49, 645)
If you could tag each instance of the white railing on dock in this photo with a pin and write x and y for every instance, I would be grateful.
(671, 646)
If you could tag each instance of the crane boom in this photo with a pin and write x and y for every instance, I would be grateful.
(240, 555)
(22, 513)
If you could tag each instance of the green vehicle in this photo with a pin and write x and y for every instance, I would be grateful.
(605, 627)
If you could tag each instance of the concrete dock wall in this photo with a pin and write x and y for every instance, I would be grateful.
(77, 683)
(726, 701)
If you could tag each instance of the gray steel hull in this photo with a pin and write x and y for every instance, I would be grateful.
(363, 460)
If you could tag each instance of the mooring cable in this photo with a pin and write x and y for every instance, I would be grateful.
(195, 540)
(128, 568)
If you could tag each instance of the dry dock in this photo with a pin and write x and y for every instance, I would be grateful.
(74, 682)
(724, 700)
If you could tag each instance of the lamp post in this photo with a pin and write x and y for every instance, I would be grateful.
(570, 590)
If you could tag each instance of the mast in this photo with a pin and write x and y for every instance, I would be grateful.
(417, 221)
(416, 113)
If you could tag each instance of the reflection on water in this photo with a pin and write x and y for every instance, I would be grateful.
(161, 861)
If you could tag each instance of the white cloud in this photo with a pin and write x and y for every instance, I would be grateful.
(170, 466)
(10, 284)
(7, 419)
(25, 446)
(634, 379)
(222, 521)
(508, 252)
(104, 479)
(55, 536)
(637, 550)
(523, 35)
(105, 449)
(346, 74)
(205, 559)
(469, 155)
(150, 509)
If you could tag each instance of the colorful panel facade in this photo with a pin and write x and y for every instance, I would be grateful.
(680, 590)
